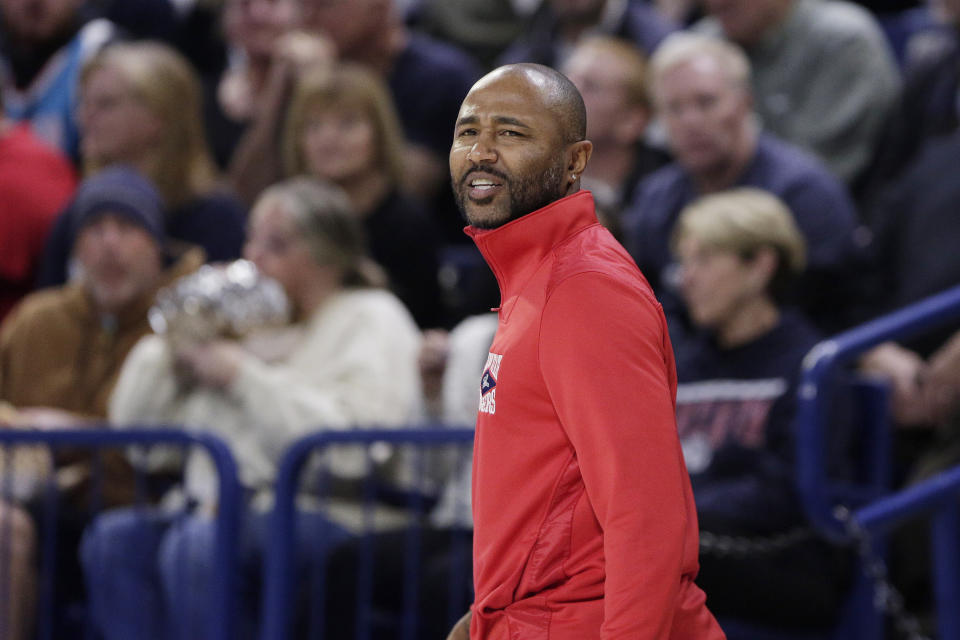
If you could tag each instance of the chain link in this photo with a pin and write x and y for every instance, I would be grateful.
(742, 546)
(887, 598)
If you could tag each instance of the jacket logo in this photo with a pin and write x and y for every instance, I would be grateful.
(488, 384)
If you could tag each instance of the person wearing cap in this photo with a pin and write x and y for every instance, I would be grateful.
(61, 349)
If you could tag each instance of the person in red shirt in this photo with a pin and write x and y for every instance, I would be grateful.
(585, 524)
(36, 183)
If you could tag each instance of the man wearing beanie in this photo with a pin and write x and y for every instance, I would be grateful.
(61, 349)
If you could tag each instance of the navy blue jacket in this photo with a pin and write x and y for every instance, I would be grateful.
(735, 411)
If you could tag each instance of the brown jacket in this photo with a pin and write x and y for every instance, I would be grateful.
(56, 352)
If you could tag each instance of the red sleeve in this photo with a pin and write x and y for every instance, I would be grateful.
(603, 358)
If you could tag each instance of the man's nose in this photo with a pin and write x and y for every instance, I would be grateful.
(482, 152)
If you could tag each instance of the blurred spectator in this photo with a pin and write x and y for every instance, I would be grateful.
(44, 44)
(36, 181)
(62, 348)
(350, 361)
(611, 75)
(140, 105)
(702, 94)
(256, 54)
(738, 375)
(915, 233)
(557, 27)
(928, 107)
(342, 127)
(823, 74)
(17, 558)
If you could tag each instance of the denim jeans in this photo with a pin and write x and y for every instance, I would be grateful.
(149, 573)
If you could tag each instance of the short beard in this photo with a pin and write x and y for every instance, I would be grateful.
(526, 195)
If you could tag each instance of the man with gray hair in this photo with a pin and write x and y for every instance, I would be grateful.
(701, 88)
(823, 74)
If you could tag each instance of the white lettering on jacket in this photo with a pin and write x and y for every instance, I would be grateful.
(488, 384)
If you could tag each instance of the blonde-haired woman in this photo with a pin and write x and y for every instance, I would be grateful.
(141, 106)
(739, 252)
(342, 126)
(349, 360)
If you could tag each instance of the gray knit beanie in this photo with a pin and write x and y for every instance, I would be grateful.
(121, 191)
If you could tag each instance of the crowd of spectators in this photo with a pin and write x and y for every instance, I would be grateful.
(779, 169)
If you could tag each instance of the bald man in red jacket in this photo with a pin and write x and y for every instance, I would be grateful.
(585, 524)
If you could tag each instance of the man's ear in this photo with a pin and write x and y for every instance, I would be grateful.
(578, 154)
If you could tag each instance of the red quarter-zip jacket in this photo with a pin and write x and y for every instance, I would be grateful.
(585, 525)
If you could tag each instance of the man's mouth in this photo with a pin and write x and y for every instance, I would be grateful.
(483, 186)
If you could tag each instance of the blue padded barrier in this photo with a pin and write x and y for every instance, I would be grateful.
(223, 600)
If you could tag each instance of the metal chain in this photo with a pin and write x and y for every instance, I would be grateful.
(741, 546)
(887, 598)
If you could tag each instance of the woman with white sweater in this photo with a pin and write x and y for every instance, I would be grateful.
(348, 360)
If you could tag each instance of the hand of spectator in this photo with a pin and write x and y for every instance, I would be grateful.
(213, 364)
(294, 53)
(904, 370)
(940, 383)
(461, 630)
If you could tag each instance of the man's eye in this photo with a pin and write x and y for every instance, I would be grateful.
(510, 132)
(466, 132)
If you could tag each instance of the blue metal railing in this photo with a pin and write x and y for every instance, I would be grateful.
(279, 562)
(820, 368)
(938, 496)
(223, 600)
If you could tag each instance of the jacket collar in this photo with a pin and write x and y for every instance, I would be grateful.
(515, 250)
